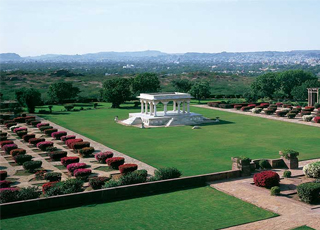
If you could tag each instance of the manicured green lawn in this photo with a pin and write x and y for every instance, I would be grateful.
(303, 228)
(199, 208)
(205, 150)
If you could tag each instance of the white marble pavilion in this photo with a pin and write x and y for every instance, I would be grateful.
(151, 115)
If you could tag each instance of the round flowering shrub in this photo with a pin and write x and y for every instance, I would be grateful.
(44, 128)
(80, 145)
(47, 186)
(35, 141)
(5, 184)
(58, 135)
(312, 169)
(8, 125)
(98, 182)
(252, 105)
(281, 113)
(126, 168)
(291, 115)
(57, 155)
(86, 151)
(264, 105)
(64, 138)
(2, 143)
(115, 162)
(237, 107)
(266, 179)
(19, 129)
(9, 147)
(69, 160)
(304, 112)
(246, 108)
(309, 108)
(20, 119)
(53, 176)
(103, 156)
(20, 159)
(30, 166)
(74, 166)
(42, 124)
(16, 152)
(44, 145)
(82, 173)
(279, 104)
(48, 132)
(27, 137)
(3, 175)
(307, 118)
(71, 141)
(35, 123)
(317, 119)
(22, 133)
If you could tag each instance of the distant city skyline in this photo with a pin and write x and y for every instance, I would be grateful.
(36, 27)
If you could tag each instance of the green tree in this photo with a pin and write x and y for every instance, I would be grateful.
(200, 89)
(301, 92)
(61, 91)
(145, 83)
(182, 85)
(116, 91)
(265, 85)
(28, 97)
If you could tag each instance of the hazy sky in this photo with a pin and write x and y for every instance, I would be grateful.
(33, 27)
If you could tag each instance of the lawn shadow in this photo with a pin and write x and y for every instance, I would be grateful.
(221, 122)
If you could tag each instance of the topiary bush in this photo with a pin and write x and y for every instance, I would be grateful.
(309, 192)
(304, 112)
(275, 191)
(44, 128)
(6, 142)
(287, 174)
(31, 166)
(86, 151)
(69, 160)
(7, 148)
(103, 156)
(3, 175)
(281, 113)
(34, 123)
(269, 111)
(98, 182)
(256, 110)
(312, 169)
(22, 133)
(307, 118)
(35, 141)
(48, 132)
(291, 115)
(8, 125)
(266, 179)
(289, 153)
(126, 168)
(132, 178)
(53, 176)
(27, 137)
(8, 195)
(42, 124)
(80, 145)
(57, 155)
(74, 166)
(64, 138)
(70, 142)
(264, 164)
(19, 129)
(16, 152)
(115, 162)
(44, 145)
(20, 159)
(58, 135)
(167, 173)
(82, 173)
(5, 183)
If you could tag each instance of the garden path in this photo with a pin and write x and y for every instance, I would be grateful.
(292, 213)
(296, 120)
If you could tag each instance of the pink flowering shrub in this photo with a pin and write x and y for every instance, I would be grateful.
(71, 141)
(316, 119)
(126, 168)
(6, 142)
(69, 160)
(74, 166)
(20, 129)
(65, 138)
(9, 147)
(58, 135)
(80, 173)
(42, 124)
(103, 156)
(44, 145)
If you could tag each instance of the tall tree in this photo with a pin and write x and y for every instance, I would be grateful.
(182, 85)
(200, 89)
(145, 83)
(116, 91)
(300, 92)
(265, 85)
(28, 97)
(61, 91)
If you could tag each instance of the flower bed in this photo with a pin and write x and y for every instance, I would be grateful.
(16, 152)
(115, 162)
(57, 155)
(103, 156)
(44, 145)
(58, 135)
(27, 137)
(266, 179)
(69, 160)
(72, 167)
(126, 168)
(35, 141)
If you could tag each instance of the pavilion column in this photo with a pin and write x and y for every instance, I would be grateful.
(188, 106)
(165, 108)
(146, 107)
(142, 106)
(179, 102)
(155, 107)
(174, 106)
(151, 107)
(183, 107)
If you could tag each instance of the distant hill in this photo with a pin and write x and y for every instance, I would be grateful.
(10, 57)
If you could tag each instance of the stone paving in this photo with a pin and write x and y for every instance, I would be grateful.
(292, 213)
(296, 120)
(8, 164)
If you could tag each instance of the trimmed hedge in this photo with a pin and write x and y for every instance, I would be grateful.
(19, 129)
(281, 113)
(126, 168)
(72, 141)
(3, 175)
(64, 138)
(58, 135)
(6, 142)
(7, 148)
(44, 128)
(291, 115)
(80, 145)
(167, 173)
(98, 182)
(42, 124)
(82, 173)
(44, 145)
(27, 137)
(22, 133)
(35, 141)
(48, 132)
(287, 174)
(57, 155)
(5, 183)
(8, 125)
(309, 192)
(35, 123)
(86, 151)
(69, 160)
(266, 179)
(20, 159)
(115, 162)
(30, 166)
(275, 191)
(74, 166)
(53, 176)
(103, 156)
(16, 152)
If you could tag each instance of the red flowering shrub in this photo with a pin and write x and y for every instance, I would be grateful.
(103, 156)
(47, 186)
(27, 137)
(57, 155)
(80, 145)
(42, 124)
(48, 132)
(15, 152)
(35, 123)
(2, 143)
(252, 105)
(19, 129)
(74, 166)
(115, 162)
(246, 108)
(44, 145)
(265, 105)
(71, 141)
(266, 179)
(5, 184)
(3, 175)
(81, 173)
(305, 112)
(281, 113)
(9, 147)
(316, 119)
(64, 138)
(309, 108)
(8, 125)
(58, 135)
(237, 107)
(279, 104)
(35, 141)
(125, 168)
(68, 160)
